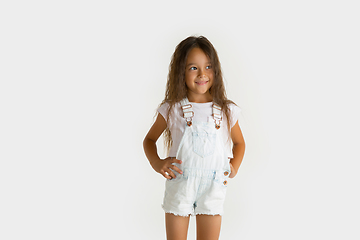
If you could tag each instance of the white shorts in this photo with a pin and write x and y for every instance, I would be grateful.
(196, 191)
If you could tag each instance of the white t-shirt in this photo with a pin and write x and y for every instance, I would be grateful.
(202, 113)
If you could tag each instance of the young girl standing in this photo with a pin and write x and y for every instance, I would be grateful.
(199, 123)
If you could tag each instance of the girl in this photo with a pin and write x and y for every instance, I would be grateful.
(199, 124)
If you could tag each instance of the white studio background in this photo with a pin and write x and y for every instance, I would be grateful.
(80, 84)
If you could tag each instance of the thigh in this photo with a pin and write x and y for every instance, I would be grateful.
(176, 226)
(208, 227)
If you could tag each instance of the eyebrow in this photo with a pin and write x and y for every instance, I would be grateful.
(195, 63)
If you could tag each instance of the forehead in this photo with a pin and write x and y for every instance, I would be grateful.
(197, 55)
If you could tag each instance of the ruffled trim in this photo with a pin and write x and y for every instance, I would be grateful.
(211, 214)
(192, 213)
(178, 214)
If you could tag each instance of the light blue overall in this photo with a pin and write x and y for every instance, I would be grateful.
(202, 187)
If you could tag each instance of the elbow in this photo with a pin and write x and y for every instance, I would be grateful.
(147, 141)
(240, 145)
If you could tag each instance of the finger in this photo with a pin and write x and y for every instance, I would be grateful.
(231, 166)
(232, 174)
(171, 174)
(175, 168)
(165, 175)
(174, 160)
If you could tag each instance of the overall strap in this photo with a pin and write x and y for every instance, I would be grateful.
(189, 113)
(187, 110)
(217, 115)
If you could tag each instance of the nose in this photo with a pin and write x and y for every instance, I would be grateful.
(202, 73)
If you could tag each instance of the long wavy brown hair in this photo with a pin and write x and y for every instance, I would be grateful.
(176, 88)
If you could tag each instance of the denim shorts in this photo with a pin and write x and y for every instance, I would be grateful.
(196, 191)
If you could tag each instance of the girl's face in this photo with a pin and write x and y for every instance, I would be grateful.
(198, 76)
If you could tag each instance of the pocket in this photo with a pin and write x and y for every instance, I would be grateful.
(172, 186)
(178, 176)
(203, 143)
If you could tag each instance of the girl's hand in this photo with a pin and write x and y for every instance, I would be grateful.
(233, 171)
(165, 167)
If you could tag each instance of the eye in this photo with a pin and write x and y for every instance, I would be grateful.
(208, 67)
(193, 68)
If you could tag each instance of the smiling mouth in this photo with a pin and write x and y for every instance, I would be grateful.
(202, 82)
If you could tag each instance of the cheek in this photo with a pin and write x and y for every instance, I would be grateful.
(212, 80)
(187, 80)
(189, 76)
(211, 75)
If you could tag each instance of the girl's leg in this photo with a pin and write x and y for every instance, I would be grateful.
(208, 227)
(176, 227)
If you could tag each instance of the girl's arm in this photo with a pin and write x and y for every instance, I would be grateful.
(238, 149)
(164, 167)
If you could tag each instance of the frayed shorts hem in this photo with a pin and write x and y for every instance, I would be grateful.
(192, 213)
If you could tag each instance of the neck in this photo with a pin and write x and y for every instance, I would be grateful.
(203, 98)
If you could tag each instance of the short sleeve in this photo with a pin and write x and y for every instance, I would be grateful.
(235, 114)
(163, 110)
